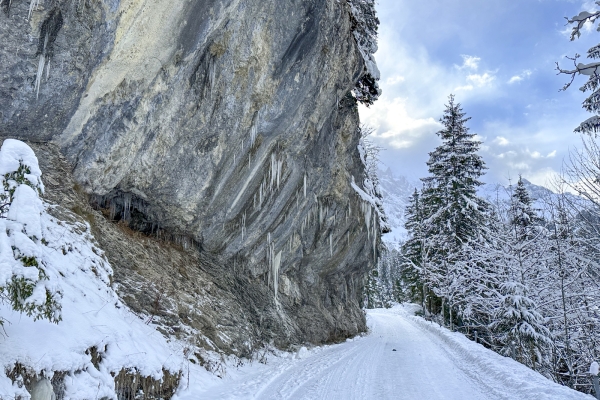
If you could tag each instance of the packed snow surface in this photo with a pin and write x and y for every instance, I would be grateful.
(402, 357)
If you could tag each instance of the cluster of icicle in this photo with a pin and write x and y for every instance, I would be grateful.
(274, 259)
(371, 224)
(42, 62)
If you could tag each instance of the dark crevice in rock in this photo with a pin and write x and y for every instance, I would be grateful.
(136, 213)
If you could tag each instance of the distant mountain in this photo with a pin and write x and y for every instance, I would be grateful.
(397, 189)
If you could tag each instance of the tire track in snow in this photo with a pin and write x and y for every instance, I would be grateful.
(429, 363)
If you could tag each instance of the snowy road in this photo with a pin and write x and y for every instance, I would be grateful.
(429, 363)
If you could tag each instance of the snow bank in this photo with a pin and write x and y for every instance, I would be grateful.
(98, 335)
(504, 377)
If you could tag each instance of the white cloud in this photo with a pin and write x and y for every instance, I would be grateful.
(508, 154)
(551, 154)
(481, 80)
(501, 141)
(535, 154)
(395, 126)
(394, 80)
(518, 78)
(463, 88)
(469, 62)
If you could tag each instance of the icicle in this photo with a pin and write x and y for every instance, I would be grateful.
(48, 70)
(367, 212)
(279, 166)
(243, 224)
(40, 73)
(113, 209)
(254, 130)
(330, 245)
(348, 238)
(255, 201)
(273, 163)
(33, 5)
(304, 185)
(234, 159)
(248, 160)
(321, 214)
(127, 206)
(212, 77)
(275, 268)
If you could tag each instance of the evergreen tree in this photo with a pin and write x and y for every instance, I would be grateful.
(518, 326)
(412, 250)
(523, 218)
(455, 217)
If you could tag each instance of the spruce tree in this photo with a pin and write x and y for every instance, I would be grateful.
(523, 217)
(412, 250)
(455, 217)
(519, 327)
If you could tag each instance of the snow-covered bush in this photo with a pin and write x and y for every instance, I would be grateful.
(24, 281)
(51, 270)
(369, 155)
(364, 27)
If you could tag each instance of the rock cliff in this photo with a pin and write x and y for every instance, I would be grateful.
(212, 146)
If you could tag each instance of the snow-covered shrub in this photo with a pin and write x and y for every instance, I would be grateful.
(364, 27)
(24, 281)
(52, 270)
(371, 192)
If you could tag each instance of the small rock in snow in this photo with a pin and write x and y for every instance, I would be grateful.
(302, 353)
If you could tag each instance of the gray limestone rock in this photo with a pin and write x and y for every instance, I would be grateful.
(224, 127)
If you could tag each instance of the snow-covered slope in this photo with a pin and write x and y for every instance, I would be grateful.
(96, 336)
(403, 357)
(396, 191)
(496, 193)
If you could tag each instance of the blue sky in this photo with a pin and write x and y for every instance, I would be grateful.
(498, 58)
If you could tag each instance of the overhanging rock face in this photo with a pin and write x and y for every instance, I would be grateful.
(226, 126)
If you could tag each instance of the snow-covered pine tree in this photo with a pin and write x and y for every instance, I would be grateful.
(523, 218)
(373, 291)
(454, 214)
(412, 250)
(517, 255)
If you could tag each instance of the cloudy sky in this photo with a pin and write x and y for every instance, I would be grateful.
(498, 58)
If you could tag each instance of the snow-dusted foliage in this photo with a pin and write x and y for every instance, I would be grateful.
(447, 219)
(371, 192)
(25, 277)
(524, 279)
(527, 285)
(591, 70)
(364, 27)
(62, 317)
